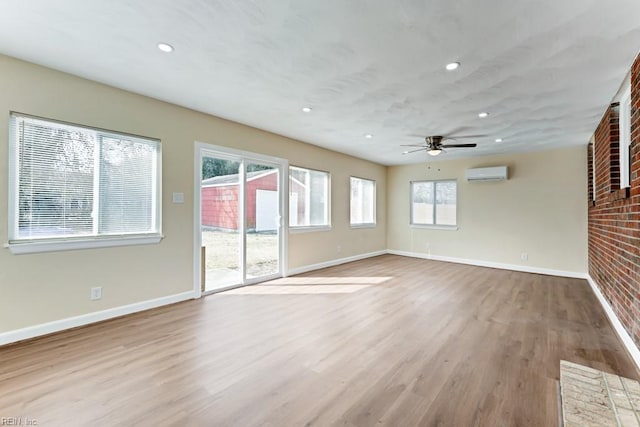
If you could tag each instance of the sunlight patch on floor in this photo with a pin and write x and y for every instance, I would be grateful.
(297, 289)
(347, 280)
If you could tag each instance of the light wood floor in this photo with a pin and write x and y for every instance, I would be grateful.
(385, 341)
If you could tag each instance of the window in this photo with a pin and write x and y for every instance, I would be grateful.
(593, 169)
(625, 138)
(590, 170)
(75, 187)
(433, 203)
(363, 202)
(308, 198)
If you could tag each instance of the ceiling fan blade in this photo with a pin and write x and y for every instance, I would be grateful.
(413, 145)
(413, 151)
(459, 145)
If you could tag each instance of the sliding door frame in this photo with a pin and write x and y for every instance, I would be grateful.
(202, 150)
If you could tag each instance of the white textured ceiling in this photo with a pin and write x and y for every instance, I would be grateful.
(544, 69)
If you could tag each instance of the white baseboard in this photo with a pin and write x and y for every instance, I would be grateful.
(491, 264)
(85, 319)
(626, 339)
(333, 262)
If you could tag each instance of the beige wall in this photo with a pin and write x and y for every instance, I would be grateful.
(540, 210)
(38, 288)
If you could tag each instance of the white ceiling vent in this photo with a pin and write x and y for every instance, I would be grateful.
(497, 173)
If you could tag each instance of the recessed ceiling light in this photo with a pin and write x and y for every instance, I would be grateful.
(368, 135)
(483, 114)
(165, 47)
(498, 139)
(306, 109)
(452, 66)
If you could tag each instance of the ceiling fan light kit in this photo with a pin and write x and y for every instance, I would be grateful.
(433, 145)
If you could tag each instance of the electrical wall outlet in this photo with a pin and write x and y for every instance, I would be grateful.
(96, 293)
(339, 248)
(524, 256)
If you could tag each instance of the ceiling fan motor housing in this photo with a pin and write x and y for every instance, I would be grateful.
(434, 141)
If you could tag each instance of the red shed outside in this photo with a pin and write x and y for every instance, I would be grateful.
(220, 201)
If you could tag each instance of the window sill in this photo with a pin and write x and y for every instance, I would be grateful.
(620, 194)
(435, 227)
(372, 225)
(29, 247)
(310, 229)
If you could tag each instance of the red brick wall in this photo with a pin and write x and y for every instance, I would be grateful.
(614, 216)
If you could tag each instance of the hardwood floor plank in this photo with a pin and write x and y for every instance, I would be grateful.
(384, 341)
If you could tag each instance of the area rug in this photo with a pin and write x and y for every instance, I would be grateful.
(595, 398)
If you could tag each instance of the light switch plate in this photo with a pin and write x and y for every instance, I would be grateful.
(178, 197)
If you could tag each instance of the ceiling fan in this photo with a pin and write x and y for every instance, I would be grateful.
(434, 146)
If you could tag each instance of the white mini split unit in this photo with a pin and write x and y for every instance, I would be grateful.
(497, 173)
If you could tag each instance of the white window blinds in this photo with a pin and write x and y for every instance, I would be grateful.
(72, 182)
(308, 198)
(625, 138)
(363, 201)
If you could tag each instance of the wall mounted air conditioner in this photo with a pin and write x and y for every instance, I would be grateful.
(497, 173)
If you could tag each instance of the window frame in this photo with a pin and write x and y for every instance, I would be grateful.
(624, 132)
(592, 143)
(54, 244)
(435, 225)
(310, 228)
(374, 203)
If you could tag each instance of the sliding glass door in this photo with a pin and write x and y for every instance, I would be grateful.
(241, 204)
(262, 217)
(220, 225)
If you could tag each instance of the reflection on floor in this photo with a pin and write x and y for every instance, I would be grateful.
(311, 285)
